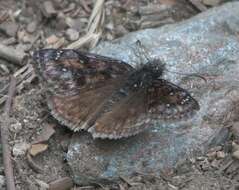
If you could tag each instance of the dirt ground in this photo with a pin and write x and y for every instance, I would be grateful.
(30, 25)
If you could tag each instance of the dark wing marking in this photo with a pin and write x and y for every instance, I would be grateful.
(168, 101)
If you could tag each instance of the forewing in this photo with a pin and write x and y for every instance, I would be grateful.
(77, 83)
(168, 101)
(67, 71)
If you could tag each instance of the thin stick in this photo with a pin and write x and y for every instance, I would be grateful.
(94, 28)
(8, 169)
(198, 5)
(61, 184)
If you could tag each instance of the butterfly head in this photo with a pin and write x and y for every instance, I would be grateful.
(155, 68)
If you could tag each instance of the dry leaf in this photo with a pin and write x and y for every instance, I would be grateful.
(45, 135)
(37, 148)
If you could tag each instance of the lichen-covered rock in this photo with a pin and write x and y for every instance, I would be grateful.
(207, 45)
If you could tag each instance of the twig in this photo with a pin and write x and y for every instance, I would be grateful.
(198, 5)
(11, 54)
(223, 168)
(33, 165)
(4, 16)
(4, 137)
(94, 28)
(23, 75)
(61, 184)
(85, 6)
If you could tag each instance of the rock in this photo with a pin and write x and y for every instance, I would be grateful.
(20, 149)
(77, 24)
(212, 2)
(236, 154)
(69, 21)
(16, 127)
(215, 164)
(24, 37)
(220, 155)
(206, 45)
(61, 23)
(52, 39)
(31, 27)
(235, 146)
(49, 9)
(9, 28)
(71, 34)
(2, 181)
(211, 156)
(235, 131)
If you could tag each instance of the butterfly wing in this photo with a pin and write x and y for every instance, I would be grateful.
(142, 108)
(95, 93)
(169, 102)
(77, 83)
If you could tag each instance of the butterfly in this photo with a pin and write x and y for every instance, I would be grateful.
(108, 97)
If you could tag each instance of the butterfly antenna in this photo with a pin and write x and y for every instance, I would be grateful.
(187, 74)
(142, 50)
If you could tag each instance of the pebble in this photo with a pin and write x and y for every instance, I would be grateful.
(16, 127)
(49, 9)
(220, 155)
(205, 165)
(71, 34)
(215, 164)
(201, 158)
(211, 155)
(2, 181)
(236, 154)
(20, 149)
(32, 26)
(9, 28)
(61, 21)
(24, 36)
(235, 146)
(77, 24)
(52, 39)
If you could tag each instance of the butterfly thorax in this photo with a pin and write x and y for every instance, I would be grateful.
(144, 76)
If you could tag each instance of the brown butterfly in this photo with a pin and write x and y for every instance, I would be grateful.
(108, 97)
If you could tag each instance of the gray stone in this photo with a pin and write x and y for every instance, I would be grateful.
(9, 28)
(32, 26)
(2, 181)
(49, 9)
(20, 149)
(207, 45)
(71, 34)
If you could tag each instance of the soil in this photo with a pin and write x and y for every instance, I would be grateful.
(30, 25)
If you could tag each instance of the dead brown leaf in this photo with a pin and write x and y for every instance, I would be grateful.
(37, 149)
